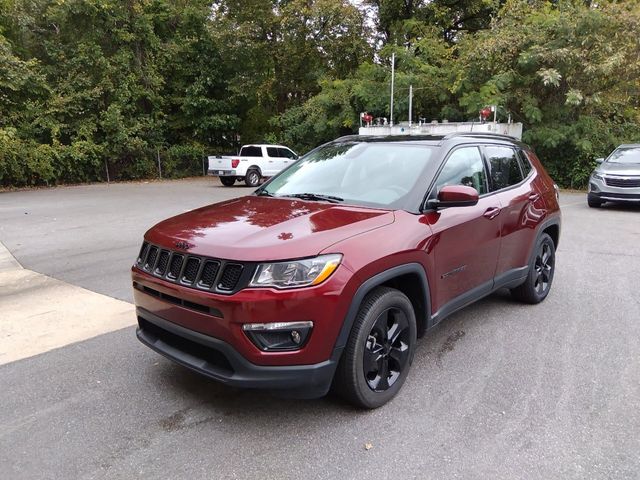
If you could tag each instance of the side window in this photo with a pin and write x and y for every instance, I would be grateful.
(286, 153)
(504, 169)
(251, 151)
(273, 152)
(525, 164)
(464, 167)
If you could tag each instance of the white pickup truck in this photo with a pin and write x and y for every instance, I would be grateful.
(251, 164)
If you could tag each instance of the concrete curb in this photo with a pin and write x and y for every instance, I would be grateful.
(40, 313)
(7, 260)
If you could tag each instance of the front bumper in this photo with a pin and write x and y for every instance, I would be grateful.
(600, 190)
(219, 360)
(223, 316)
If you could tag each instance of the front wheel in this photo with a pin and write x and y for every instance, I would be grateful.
(541, 269)
(252, 179)
(227, 181)
(594, 202)
(379, 351)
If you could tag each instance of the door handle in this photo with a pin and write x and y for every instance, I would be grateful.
(491, 213)
(534, 196)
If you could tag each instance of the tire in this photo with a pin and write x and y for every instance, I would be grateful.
(252, 179)
(542, 267)
(227, 181)
(376, 359)
(593, 202)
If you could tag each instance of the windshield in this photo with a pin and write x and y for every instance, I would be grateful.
(625, 155)
(370, 174)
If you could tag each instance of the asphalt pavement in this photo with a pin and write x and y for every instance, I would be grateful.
(89, 235)
(498, 390)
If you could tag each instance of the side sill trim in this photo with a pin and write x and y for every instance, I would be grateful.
(509, 279)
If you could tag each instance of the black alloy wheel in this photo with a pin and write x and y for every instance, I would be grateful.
(378, 354)
(386, 351)
(541, 270)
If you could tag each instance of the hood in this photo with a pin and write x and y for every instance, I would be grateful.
(261, 228)
(630, 169)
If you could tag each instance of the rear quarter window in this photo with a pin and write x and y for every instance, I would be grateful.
(525, 164)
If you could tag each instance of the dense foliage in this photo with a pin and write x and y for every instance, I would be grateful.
(96, 87)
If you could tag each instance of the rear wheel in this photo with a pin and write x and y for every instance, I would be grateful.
(252, 179)
(593, 202)
(227, 181)
(379, 351)
(541, 269)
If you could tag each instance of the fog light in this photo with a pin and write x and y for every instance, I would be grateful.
(278, 336)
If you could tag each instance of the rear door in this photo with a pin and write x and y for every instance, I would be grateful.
(466, 240)
(522, 206)
(253, 155)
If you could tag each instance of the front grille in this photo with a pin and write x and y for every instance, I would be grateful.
(163, 261)
(191, 270)
(622, 182)
(230, 276)
(209, 274)
(151, 258)
(143, 253)
(176, 266)
(194, 271)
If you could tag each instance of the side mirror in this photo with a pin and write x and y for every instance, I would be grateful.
(599, 160)
(455, 196)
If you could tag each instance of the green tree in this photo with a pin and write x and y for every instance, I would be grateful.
(568, 71)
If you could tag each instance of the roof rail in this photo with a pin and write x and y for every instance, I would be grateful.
(478, 134)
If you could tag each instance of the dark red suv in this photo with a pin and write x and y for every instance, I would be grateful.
(328, 273)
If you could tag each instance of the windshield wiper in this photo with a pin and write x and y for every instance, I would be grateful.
(264, 193)
(315, 196)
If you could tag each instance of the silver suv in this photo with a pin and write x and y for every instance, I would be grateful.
(616, 178)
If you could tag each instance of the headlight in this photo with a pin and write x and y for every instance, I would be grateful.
(296, 273)
(597, 176)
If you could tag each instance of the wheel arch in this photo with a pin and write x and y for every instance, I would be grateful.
(410, 279)
(254, 167)
(553, 229)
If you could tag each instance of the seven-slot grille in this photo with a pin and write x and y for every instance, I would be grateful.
(192, 270)
(623, 182)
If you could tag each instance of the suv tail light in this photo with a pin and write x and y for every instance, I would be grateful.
(235, 162)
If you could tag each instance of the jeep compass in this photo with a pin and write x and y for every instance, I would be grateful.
(327, 274)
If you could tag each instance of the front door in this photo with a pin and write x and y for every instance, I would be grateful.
(466, 240)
